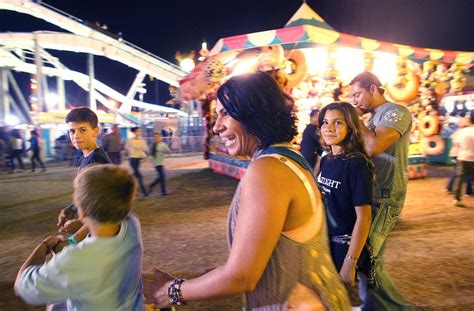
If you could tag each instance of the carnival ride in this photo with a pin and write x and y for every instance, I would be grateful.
(314, 63)
(27, 52)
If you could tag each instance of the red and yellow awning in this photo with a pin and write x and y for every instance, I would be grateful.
(307, 29)
(312, 36)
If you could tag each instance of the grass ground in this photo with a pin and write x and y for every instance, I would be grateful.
(429, 254)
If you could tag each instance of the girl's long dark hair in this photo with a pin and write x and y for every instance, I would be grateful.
(353, 144)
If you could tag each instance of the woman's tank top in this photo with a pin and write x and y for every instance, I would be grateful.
(293, 263)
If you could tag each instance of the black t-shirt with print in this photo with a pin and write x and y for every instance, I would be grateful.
(344, 183)
(98, 156)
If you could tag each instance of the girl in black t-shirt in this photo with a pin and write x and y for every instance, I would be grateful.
(345, 178)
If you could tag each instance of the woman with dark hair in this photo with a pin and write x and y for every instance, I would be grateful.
(137, 151)
(345, 179)
(279, 256)
(35, 151)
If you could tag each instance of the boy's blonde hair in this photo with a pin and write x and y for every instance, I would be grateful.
(105, 192)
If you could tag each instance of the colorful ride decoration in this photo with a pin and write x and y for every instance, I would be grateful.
(405, 86)
(227, 166)
(416, 167)
(429, 125)
(295, 68)
(314, 64)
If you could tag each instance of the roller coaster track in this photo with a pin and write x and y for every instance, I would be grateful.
(82, 38)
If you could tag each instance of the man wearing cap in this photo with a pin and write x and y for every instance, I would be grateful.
(386, 138)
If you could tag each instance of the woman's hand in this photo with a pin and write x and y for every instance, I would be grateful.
(348, 272)
(155, 288)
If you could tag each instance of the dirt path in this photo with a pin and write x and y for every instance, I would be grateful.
(429, 254)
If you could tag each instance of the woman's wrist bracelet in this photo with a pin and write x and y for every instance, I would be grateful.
(174, 292)
(351, 259)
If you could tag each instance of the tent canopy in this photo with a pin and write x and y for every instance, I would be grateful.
(307, 29)
(306, 16)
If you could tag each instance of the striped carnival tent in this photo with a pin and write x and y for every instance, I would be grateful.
(307, 29)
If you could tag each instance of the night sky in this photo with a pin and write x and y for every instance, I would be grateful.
(164, 27)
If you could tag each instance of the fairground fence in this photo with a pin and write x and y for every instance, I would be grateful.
(177, 144)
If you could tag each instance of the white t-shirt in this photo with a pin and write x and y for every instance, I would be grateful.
(159, 156)
(137, 148)
(465, 142)
(97, 274)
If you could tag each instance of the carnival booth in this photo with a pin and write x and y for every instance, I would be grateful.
(314, 64)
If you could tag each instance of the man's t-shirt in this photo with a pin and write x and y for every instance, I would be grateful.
(112, 142)
(344, 183)
(310, 144)
(465, 142)
(98, 156)
(391, 166)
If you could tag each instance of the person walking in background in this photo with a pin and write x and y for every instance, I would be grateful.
(170, 138)
(112, 144)
(3, 149)
(386, 140)
(164, 133)
(345, 179)
(464, 141)
(453, 153)
(35, 148)
(101, 136)
(158, 154)
(137, 151)
(310, 145)
(15, 148)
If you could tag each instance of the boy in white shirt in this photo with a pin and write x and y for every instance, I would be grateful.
(102, 272)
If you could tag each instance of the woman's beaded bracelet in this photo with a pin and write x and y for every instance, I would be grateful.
(351, 259)
(174, 292)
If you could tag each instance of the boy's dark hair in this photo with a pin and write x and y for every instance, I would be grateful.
(260, 105)
(366, 80)
(83, 114)
(105, 192)
(313, 112)
(134, 129)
